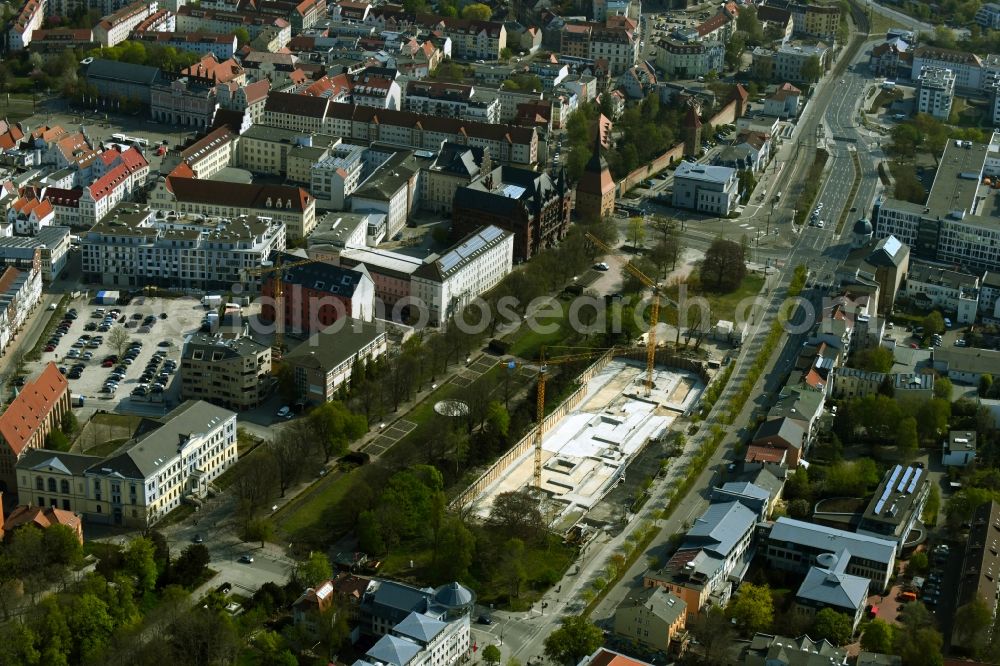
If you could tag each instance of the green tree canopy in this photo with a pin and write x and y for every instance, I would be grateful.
(477, 11)
(874, 359)
(574, 640)
(878, 637)
(833, 626)
(753, 608)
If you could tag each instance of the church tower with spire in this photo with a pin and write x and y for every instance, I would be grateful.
(595, 193)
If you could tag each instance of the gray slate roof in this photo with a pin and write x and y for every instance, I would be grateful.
(720, 528)
(56, 461)
(833, 588)
(832, 540)
(114, 70)
(393, 650)
(335, 344)
(419, 627)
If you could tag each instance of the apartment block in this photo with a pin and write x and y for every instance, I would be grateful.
(138, 247)
(29, 18)
(935, 91)
(980, 565)
(967, 68)
(211, 153)
(48, 249)
(293, 206)
(322, 364)
(116, 28)
(403, 129)
(954, 292)
(334, 178)
(222, 46)
(714, 552)
(454, 166)
(451, 100)
(231, 373)
(36, 410)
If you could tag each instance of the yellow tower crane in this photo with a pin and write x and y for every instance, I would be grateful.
(654, 315)
(279, 267)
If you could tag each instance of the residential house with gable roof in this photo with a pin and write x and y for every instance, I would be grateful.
(41, 518)
(651, 617)
(712, 556)
(35, 411)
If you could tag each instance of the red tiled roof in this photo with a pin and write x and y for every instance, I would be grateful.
(239, 195)
(712, 24)
(761, 453)
(41, 517)
(27, 412)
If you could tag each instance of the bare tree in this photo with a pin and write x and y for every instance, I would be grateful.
(119, 339)
(289, 453)
(253, 486)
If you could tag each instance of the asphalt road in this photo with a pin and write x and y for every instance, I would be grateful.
(524, 633)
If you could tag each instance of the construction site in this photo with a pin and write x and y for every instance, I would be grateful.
(587, 446)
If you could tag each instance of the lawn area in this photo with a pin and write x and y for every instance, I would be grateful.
(105, 432)
(316, 514)
(964, 114)
(722, 306)
(885, 98)
(527, 344)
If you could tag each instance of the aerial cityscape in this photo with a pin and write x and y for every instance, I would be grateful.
(563, 333)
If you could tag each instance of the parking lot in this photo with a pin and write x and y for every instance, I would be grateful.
(144, 370)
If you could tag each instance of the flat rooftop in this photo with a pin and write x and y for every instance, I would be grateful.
(958, 180)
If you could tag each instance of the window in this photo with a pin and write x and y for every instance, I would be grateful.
(39, 483)
(52, 485)
(64, 487)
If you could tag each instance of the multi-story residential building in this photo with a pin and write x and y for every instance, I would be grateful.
(49, 248)
(966, 67)
(247, 99)
(827, 585)
(23, 26)
(989, 295)
(36, 410)
(891, 59)
(897, 504)
(116, 28)
(335, 177)
(981, 561)
(707, 189)
(414, 131)
(120, 174)
(231, 373)
(455, 166)
(714, 550)
(151, 474)
(277, 68)
(445, 285)
(211, 153)
(784, 103)
(138, 247)
(471, 39)
(222, 47)
(317, 295)
(41, 518)
(162, 20)
(616, 41)
(795, 545)
(815, 20)
(322, 364)
(652, 617)
(935, 91)
(687, 60)
(50, 43)
(195, 19)
(531, 205)
(29, 215)
(376, 87)
(293, 206)
(954, 292)
(451, 100)
(54, 478)
(792, 61)
(988, 16)
(762, 648)
(392, 189)
(280, 152)
(957, 225)
(848, 383)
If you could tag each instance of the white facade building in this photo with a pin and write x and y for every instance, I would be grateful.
(22, 27)
(116, 28)
(935, 92)
(336, 177)
(444, 285)
(137, 247)
(707, 189)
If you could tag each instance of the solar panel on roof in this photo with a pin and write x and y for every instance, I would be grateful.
(512, 191)
(449, 261)
(878, 506)
(906, 477)
(913, 483)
